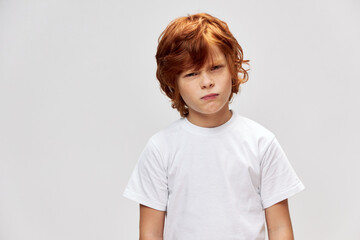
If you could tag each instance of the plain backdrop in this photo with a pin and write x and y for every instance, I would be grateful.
(79, 99)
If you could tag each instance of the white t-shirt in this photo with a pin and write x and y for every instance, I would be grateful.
(213, 183)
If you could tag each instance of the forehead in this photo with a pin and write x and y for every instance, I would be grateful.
(215, 51)
(213, 56)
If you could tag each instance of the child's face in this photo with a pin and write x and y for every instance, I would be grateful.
(216, 78)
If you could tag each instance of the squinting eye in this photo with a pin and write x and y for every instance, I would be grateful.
(215, 67)
(190, 74)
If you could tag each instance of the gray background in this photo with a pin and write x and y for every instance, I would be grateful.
(79, 99)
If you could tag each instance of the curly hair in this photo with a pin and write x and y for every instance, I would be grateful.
(185, 43)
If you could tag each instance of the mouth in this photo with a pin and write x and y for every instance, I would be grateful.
(210, 96)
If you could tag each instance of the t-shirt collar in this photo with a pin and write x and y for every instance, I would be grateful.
(209, 130)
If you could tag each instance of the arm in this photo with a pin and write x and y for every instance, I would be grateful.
(151, 223)
(278, 221)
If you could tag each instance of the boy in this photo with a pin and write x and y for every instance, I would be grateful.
(212, 174)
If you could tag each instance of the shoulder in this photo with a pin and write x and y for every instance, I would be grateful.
(158, 145)
(257, 134)
(166, 135)
(256, 128)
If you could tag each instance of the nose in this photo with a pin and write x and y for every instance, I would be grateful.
(207, 81)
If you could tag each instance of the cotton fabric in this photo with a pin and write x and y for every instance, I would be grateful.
(213, 183)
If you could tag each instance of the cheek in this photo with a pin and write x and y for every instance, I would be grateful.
(229, 85)
(229, 82)
(185, 92)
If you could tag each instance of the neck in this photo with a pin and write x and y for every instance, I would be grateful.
(209, 120)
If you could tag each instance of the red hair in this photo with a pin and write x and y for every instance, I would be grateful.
(186, 43)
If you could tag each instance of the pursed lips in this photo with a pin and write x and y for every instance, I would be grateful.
(210, 95)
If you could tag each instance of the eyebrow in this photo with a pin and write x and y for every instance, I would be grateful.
(215, 63)
(187, 72)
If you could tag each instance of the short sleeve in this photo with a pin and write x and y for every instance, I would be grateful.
(278, 179)
(148, 182)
